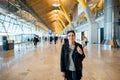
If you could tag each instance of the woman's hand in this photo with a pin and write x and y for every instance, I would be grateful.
(63, 74)
(79, 50)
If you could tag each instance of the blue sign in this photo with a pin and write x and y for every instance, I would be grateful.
(50, 32)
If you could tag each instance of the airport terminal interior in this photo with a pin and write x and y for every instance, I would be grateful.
(32, 33)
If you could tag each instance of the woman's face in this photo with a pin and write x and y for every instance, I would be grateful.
(71, 37)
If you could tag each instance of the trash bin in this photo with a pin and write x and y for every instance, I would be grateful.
(8, 44)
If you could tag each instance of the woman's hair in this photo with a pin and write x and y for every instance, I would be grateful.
(71, 31)
(66, 43)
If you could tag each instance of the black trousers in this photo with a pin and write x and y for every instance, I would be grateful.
(73, 75)
(86, 43)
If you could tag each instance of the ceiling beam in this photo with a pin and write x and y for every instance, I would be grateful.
(22, 2)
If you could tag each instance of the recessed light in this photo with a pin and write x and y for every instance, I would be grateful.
(55, 5)
(56, 10)
(56, 15)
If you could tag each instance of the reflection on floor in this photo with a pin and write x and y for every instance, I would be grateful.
(42, 63)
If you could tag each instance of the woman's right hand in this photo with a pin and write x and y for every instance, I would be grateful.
(63, 74)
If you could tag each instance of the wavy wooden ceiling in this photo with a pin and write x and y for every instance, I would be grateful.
(55, 20)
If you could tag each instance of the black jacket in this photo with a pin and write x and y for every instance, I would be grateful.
(77, 58)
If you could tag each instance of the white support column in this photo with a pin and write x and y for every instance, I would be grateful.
(92, 31)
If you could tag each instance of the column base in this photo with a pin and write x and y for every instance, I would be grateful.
(114, 43)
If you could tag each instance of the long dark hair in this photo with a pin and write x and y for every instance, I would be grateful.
(71, 31)
(66, 43)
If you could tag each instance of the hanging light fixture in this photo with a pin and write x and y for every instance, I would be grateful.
(56, 10)
(56, 4)
(56, 15)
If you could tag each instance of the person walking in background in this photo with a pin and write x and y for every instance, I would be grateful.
(72, 55)
(65, 40)
(51, 39)
(55, 39)
(85, 41)
(35, 40)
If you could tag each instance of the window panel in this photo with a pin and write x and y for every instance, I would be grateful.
(14, 26)
(1, 27)
(17, 29)
(14, 29)
(2, 17)
(7, 18)
(6, 24)
(10, 28)
(12, 21)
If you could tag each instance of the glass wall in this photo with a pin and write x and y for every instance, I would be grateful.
(18, 30)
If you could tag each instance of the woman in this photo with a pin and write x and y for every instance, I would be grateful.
(85, 41)
(72, 56)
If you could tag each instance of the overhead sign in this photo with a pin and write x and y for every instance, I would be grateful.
(50, 32)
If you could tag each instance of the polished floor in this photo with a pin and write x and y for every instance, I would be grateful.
(42, 63)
